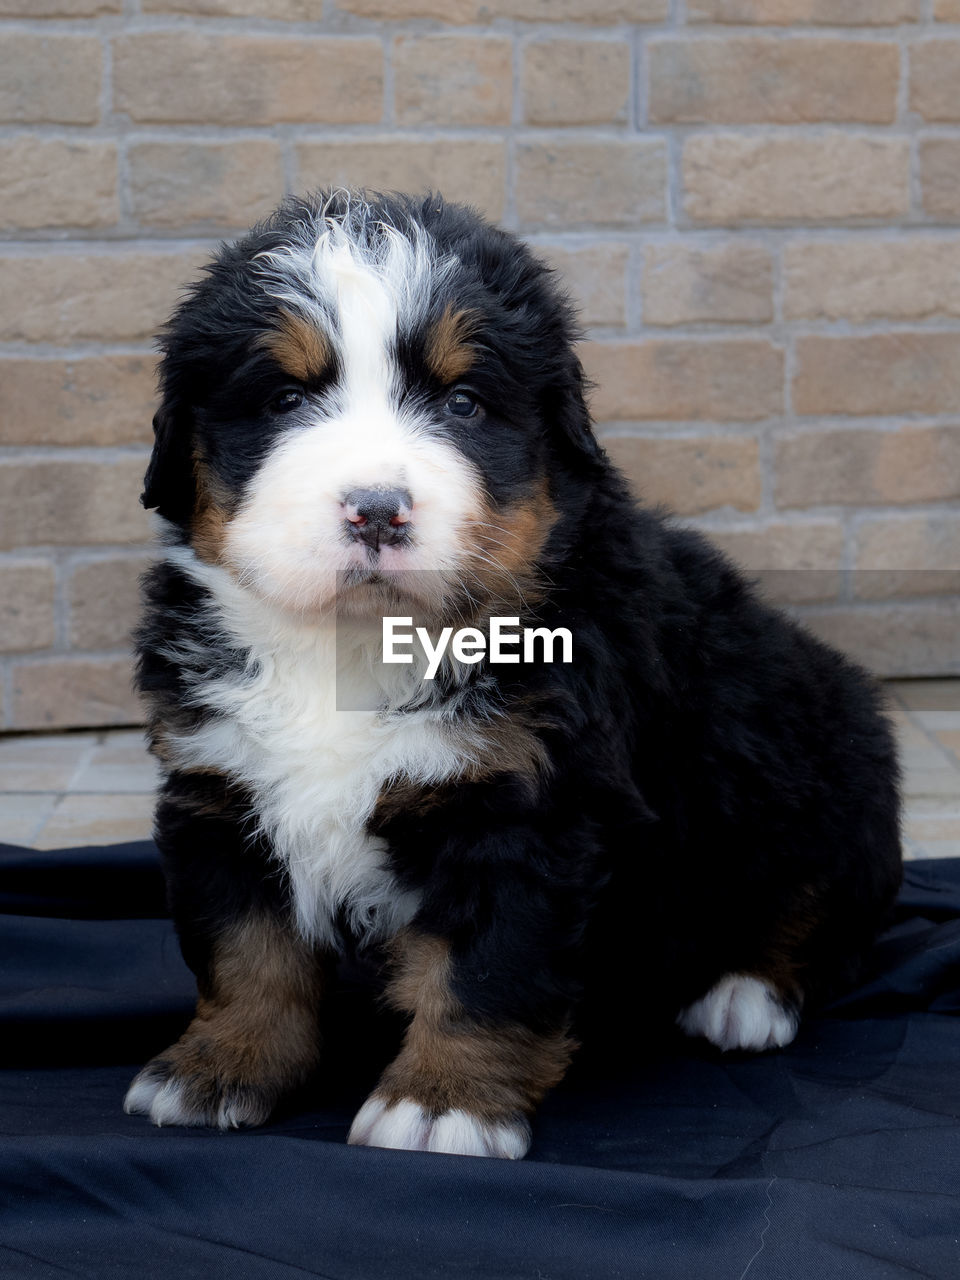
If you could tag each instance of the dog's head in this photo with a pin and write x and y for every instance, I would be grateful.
(372, 396)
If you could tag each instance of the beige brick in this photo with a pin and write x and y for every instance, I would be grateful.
(225, 184)
(758, 79)
(101, 400)
(934, 78)
(49, 183)
(882, 374)
(104, 600)
(27, 593)
(453, 80)
(729, 380)
(893, 640)
(872, 278)
(65, 693)
(99, 296)
(473, 172)
(947, 10)
(482, 11)
(852, 467)
(277, 10)
(683, 284)
(620, 183)
(58, 8)
(840, 13)
(186, 76)
(730, 178)
(940, 177)
(594, 277)
(691, 476)
(576, 82)
(49, 79)
(908, 556)
(791, 563)
(46, 500)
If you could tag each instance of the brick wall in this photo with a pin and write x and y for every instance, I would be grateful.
(757, 203)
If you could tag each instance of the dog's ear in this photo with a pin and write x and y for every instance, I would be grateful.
(570, 417)
(169, 483)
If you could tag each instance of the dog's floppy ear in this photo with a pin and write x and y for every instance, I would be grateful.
(570, 416)
(169, 482)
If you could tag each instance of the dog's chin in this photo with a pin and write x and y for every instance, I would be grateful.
(376, 592)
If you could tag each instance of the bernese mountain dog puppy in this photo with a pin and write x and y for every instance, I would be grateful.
(372, 407)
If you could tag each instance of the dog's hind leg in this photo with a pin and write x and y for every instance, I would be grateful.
(742, 1011)
(753, 998)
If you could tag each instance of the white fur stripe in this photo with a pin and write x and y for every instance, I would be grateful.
(315, 772)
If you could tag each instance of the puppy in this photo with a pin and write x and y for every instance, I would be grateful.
(372, 408)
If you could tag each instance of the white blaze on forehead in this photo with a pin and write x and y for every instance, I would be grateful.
(363, 285)
(367, 319)
(371, 296)
(362, 281)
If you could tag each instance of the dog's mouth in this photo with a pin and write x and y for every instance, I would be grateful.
(375, 590)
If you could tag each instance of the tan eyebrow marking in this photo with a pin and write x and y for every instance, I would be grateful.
(448, 351)
(299, 347)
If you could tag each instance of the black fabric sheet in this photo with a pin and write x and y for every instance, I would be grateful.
(839, 1157)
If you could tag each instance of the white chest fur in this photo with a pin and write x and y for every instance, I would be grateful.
(315, 772)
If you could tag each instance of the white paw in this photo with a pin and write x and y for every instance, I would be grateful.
(741, 1012)
(167, 1101)
(161, 1100)
(405, 1126)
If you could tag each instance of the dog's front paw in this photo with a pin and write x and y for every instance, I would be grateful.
(185, 1087)
(406, 1126)
(741, 1012)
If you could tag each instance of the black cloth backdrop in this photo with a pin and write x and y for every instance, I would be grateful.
(839, 1157)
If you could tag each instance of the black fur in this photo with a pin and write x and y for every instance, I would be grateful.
(721, 789)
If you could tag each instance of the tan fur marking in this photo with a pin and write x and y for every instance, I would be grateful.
(508, 744)
(448, 352)
(208, 529)
(255, 1027)
(402, 796)
(159, 741)
(448, 1062)
(299, 347)
(509, 544)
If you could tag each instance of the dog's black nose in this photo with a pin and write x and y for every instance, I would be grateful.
(378, 517)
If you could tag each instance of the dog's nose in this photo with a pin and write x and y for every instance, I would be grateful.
(378, 517)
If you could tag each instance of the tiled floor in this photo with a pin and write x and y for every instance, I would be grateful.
(927, 715)
(96, 788)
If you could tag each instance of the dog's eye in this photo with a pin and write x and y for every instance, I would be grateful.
(462, 405)
(287, 400)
